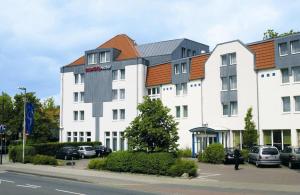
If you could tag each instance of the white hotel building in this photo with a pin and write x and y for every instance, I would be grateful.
(208, 92)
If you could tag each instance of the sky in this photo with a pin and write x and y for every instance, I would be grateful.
(37, 37)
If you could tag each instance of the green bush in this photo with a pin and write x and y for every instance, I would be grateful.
(99, 163)
(214, 153)
(140, 162)
(187, 153)
(16, 153)
(182, 166)
(44, 160)
(245, 153)
(201, 157)
(51, 148)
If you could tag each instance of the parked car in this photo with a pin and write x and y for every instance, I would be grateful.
(264, 155)
(229, 157)
(290, 156)
(86, 151)
(102, 151)
(67, 152)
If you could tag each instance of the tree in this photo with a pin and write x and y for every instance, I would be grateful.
(270, 34)
(250, 135)
(154, 129)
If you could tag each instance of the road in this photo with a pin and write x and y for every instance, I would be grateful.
(23, 184)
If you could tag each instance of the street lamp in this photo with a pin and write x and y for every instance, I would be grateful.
(24, 122)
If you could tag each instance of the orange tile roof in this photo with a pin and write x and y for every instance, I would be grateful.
(264, 54)
(159, 74)
(198, 66)
(121, 42)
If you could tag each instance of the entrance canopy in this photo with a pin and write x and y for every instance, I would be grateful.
(203, 129)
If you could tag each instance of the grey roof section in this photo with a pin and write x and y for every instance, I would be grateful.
(158, 48)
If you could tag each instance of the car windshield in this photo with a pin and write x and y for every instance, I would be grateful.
(88, 148)
(297, 150)
(269, 151)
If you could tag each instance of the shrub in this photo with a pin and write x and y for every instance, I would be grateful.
(16, 153)
(187, 153)
(44, 160)
(245, 153)
(99, 163)
(201, 157)
(51, 148)
(182, 166)
(214, 153)
(140, 162)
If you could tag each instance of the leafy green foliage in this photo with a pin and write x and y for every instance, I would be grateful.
(250, 135)
(201, 157)
(99, 164)
(44, 160)
(154, 129)
(245, 153)
(214, 153)
(16, 153)
(187, 153)
(182, 166)
(270, 34)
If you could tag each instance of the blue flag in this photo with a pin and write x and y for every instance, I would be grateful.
(29, 118)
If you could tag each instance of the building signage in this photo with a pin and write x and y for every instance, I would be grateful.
(98, 68)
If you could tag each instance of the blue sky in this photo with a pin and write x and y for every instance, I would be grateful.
(38, 37)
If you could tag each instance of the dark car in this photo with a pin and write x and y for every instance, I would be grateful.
(67, 153)
(290, 156)
(229, 157)
(102, 151)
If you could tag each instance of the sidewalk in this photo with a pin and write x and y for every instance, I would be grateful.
(127, 180)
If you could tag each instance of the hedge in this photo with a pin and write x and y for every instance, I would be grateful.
(44, 160)
(160, 163)
(214, 153)
(187, 153)
(51, 148)
(16, 153)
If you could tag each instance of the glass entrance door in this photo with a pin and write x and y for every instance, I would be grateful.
(277, 139)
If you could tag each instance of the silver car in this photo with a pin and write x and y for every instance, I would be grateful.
(264, 155)
(86, 151)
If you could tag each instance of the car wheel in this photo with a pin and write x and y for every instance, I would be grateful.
(257, 164)
(291, 166)
(82, 156)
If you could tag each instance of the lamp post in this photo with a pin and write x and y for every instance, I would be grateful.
(24, 122)
(2, 127)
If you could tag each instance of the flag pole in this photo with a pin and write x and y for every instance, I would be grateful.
(24, 123)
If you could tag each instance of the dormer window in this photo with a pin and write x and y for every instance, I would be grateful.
(295, 46)
(92, 58)
(104, 57)
(283, 49)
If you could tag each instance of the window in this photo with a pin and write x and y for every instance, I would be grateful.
(286, 103)
(154, 92)
(115, 141)
(115, 114)
(115, 75)
(81, 136)
(224, 60)
(225, 110)
(224, 83)
(69, 138)
(122, 74)
(177, 111)
(82, 78)
(283, 49)
(296, 73)
(122, 94)
(183, 52)
(75, 97)
(122, 114)
(232, 58)
(295, 47)
(232, 82)
(183, 67)
(75, 115)
(107, 139)
(76, 76)
(297, 103)
(92, 58)
(194, 52)
(82, 115)
(82, 96)
(184, 88)
(176, 68)
(104, 57)
(285, 75)
(114, 94)
(122, 141)
(233, 108)
(75, 136)
(188, 53)
(178, 89)
(185, 111)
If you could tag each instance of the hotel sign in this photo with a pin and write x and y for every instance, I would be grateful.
(98, 68)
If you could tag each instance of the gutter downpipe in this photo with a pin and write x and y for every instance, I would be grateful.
(258, 115)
